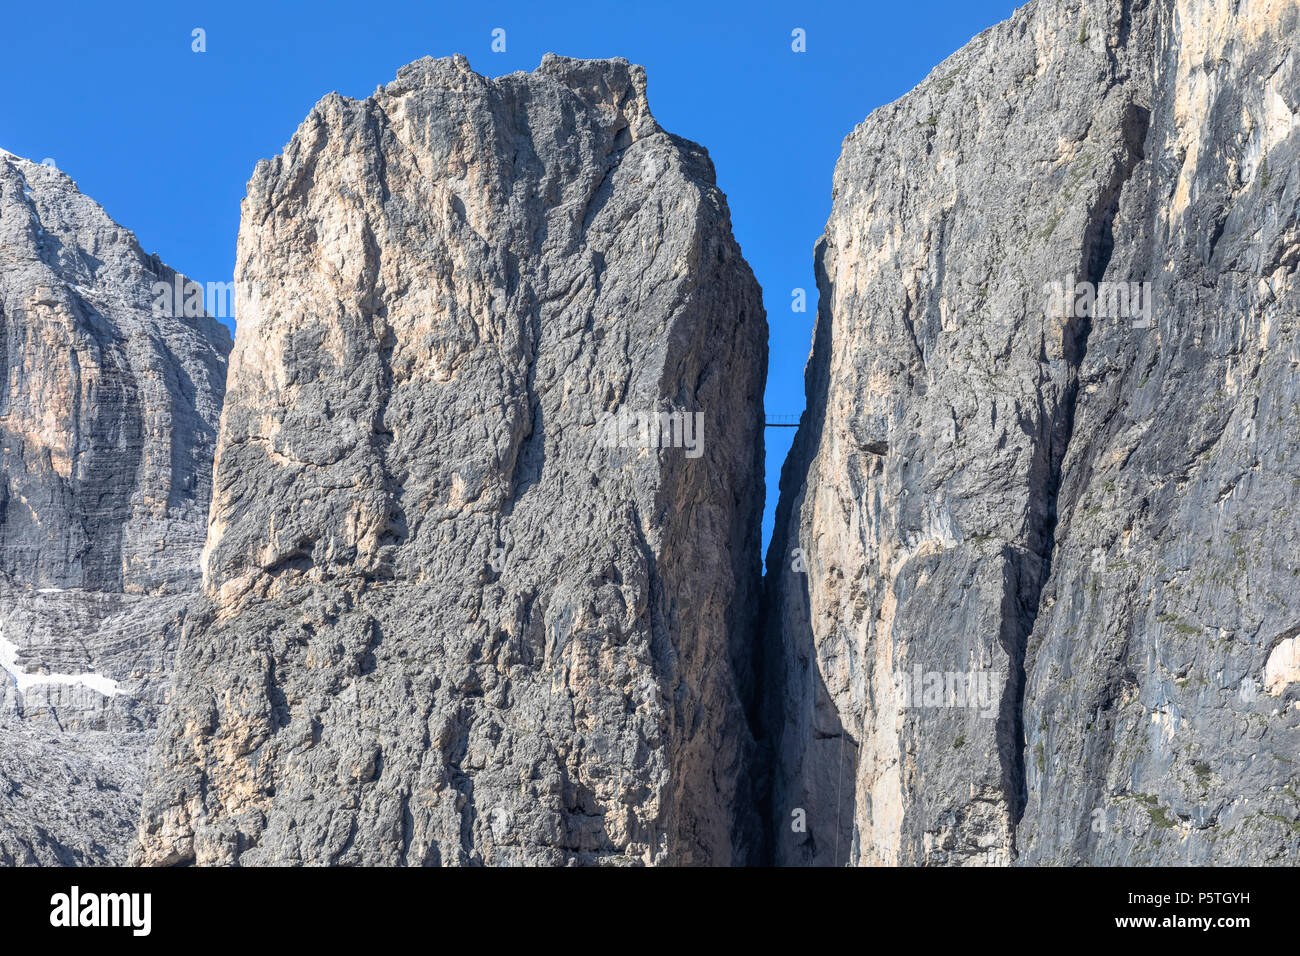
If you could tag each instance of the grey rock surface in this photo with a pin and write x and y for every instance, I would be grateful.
(445, 619)
(108, 416)
(1090, 518)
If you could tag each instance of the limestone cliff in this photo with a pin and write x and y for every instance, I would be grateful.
(108, 415)
(1032, 593)
(468, 598)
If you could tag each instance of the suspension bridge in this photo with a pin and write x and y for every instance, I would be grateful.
(782, 421)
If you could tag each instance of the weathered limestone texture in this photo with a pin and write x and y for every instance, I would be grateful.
(444, 621)
(1087, 512)
(108, 422)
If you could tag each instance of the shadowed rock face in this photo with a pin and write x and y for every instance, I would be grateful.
(445, 619)
(1091, 518)
(108, 417)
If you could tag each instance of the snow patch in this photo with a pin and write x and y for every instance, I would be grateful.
(25, 681)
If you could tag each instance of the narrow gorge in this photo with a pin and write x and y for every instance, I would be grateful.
(454, 556)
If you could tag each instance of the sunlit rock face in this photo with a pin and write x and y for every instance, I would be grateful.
(109, 407)
(1070, 515)
(463, 603)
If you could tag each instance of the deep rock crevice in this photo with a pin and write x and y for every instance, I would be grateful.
(1027, 582)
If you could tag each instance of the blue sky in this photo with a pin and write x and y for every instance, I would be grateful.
(166, 138)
